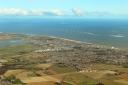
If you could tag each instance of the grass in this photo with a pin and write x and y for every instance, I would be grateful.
(62, 69)
(121, 81)
(14, 54)
(79, 79)
(107, 78)
(110, 67)
(16, 49)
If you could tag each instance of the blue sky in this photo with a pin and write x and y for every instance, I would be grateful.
(114, 8)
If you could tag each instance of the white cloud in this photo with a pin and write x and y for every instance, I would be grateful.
(13, 11)
(34, 12)
(58, 12)
(77, 12)
(52, 12)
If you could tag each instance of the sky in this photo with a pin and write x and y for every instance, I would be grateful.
(64, 8)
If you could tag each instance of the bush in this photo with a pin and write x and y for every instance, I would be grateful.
(125, 65)
(99, 84)
(13, 80)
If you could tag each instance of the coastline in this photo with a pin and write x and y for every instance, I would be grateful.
(81, 42)
(72, 40)
(76, 41)
(65, 39)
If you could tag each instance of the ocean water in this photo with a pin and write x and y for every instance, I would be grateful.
(111, 32)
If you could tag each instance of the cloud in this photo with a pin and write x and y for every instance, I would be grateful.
(77, 12)
(52, 12)
(36, 12)
(13, 11)
(33, 12)
(58, 12)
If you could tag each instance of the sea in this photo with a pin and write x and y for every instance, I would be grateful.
(109, 32)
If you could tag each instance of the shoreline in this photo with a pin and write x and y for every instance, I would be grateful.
(67, 39)
(71, 40)
(76, 41)
(82, 42)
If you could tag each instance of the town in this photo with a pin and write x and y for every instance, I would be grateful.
(45, 60)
